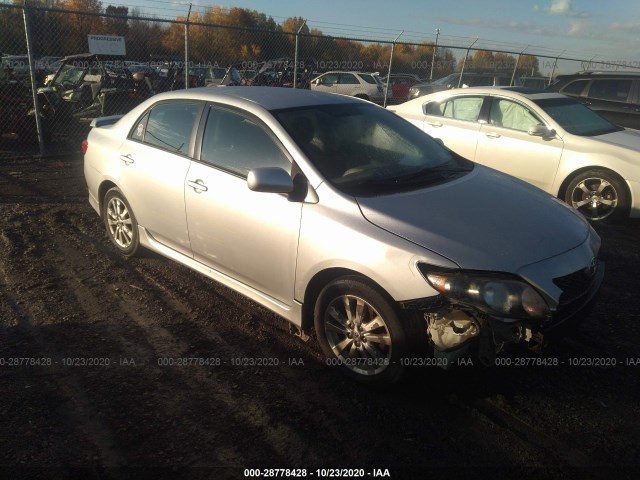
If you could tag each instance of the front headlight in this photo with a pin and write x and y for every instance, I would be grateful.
(495, 294)
(413, 91)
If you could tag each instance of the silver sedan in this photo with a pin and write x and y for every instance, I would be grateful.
(340, 216)
(546, 139)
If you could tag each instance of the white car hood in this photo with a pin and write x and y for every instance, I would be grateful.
(627, 138)
(485, 220)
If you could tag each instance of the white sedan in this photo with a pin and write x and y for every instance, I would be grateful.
(546, 139)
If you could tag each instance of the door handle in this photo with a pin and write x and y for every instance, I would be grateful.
(492, 135)
(435, 124)
(197, 185)
(127, 159)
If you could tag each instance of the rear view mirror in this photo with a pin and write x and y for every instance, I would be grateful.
(269, 180)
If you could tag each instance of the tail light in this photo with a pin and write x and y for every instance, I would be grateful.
(85, 146)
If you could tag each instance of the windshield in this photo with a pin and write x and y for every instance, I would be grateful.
(365, 150)
(575, 118)
(446, 80)
(68, 74)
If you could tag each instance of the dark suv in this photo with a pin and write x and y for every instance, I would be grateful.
(615, 96)
(453, 81)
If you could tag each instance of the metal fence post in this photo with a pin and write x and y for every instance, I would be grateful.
(433, 55)
(464, 63)
(386, 88)
(186, 50)
(295, 56)
(555, 64)
(32, 74)
(515, 68)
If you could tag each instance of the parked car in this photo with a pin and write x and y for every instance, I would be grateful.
(355, 84)
(84, 87)
(279, 72)
(336, 213)
(546, 139)
(400, 84)
(454, 81)
(614, 95)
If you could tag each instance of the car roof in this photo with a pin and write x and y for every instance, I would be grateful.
(515, 92)
(269, 98)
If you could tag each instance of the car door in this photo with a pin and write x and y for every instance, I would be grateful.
(155, 159)
(505, 144)
(455, 122)
(249, 236)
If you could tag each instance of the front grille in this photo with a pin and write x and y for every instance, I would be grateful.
(576, 284)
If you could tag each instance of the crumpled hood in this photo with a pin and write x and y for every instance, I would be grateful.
(485, 220)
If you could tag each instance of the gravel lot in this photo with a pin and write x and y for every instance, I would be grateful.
(118, 369)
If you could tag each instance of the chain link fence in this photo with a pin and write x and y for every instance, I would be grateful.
(51, 87)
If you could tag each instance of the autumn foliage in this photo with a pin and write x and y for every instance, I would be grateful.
(225, 36)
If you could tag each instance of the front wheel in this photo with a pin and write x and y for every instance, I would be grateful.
(121, 224)
(599, 195)
(359, 331)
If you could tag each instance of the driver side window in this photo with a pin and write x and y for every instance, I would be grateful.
(238, 144)
(508, 114)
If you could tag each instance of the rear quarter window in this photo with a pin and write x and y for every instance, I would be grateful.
(368, 79)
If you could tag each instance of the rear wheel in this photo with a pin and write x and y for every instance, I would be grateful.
(359, 331)
(600, 195)
(364, 97)
(121, 224)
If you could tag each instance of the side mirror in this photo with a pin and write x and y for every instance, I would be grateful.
(269, 180)
(542, 131)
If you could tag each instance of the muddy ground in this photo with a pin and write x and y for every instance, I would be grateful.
(91, 384)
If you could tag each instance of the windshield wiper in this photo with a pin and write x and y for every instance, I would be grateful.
(412, 180)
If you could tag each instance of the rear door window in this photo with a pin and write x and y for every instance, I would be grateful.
(348, 79)
(610, 89)
(168, 126)
(463, 108)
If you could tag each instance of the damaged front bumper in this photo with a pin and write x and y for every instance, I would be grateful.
(459, 331)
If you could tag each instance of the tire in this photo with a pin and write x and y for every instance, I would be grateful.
(362, 96)
(120, 222)
(369, 341)
(600, 195)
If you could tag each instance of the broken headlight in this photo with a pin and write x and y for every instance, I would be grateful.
(495, 294)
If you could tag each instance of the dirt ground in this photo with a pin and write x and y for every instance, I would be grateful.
(113, 368)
